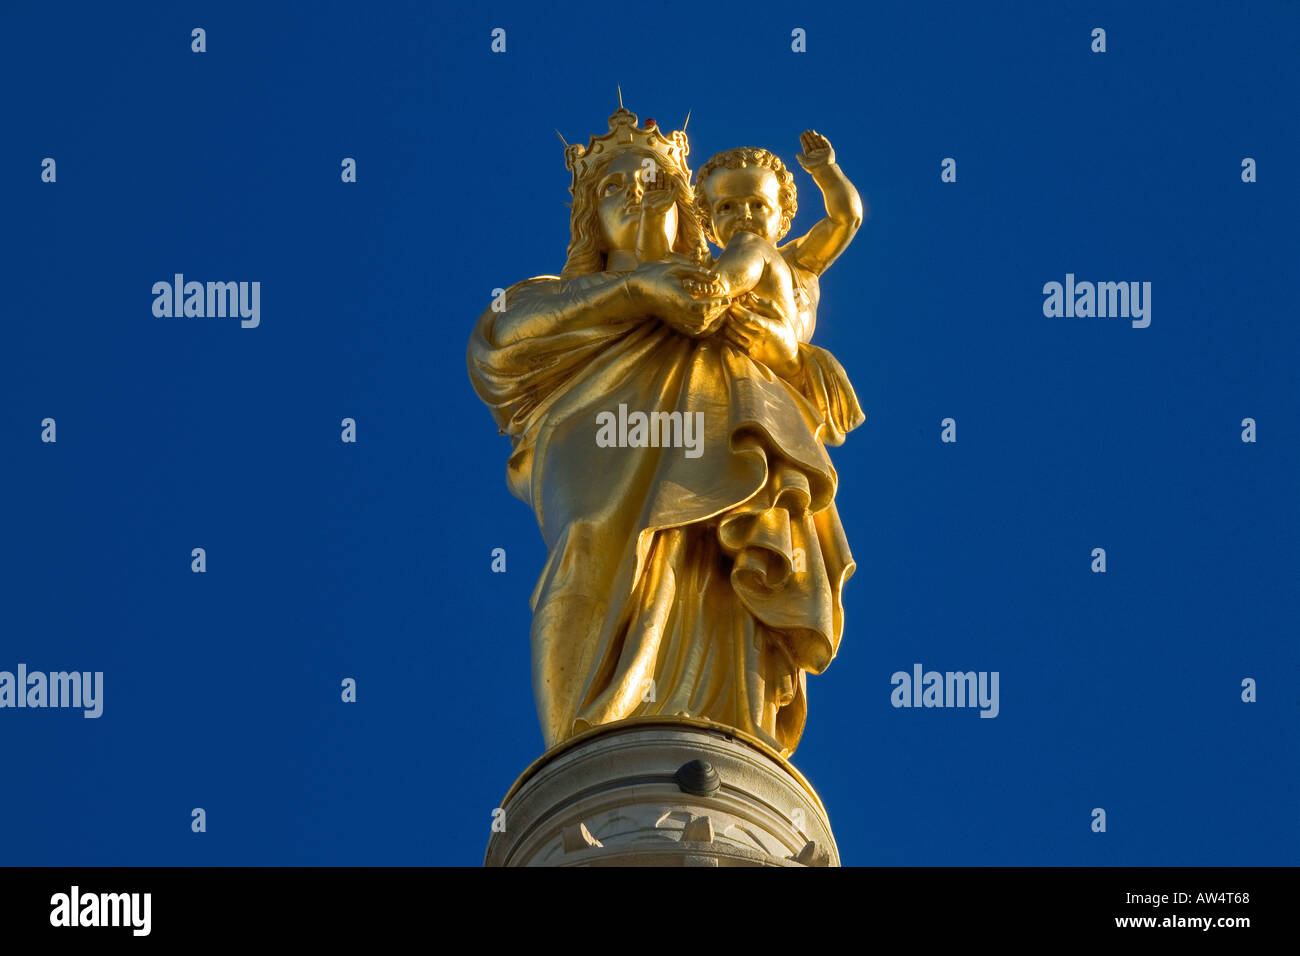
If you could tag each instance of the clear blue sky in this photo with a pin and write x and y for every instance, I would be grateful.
(372, 560)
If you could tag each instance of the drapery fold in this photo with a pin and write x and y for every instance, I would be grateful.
(701, 586)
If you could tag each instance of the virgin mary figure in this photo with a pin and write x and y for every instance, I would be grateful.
(678, 583)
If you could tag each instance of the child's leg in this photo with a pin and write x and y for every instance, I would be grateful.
(741, 265)
(738, 269)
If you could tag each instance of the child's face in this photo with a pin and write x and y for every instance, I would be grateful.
(745, 199)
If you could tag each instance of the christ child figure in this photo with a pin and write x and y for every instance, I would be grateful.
(746, 201)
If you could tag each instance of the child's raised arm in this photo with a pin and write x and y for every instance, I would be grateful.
(823, 243)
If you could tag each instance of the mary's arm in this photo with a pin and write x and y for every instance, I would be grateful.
(547, 330)
(551, 327)
(546, 306)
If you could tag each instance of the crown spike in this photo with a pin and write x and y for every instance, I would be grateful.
(624, 134)
(686, 122)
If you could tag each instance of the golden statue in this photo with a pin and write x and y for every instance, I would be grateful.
(668, 419)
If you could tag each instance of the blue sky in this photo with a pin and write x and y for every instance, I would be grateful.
(372, 560)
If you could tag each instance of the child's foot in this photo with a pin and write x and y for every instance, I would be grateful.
(702, 289)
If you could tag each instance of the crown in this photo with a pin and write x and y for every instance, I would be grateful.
(625, 135)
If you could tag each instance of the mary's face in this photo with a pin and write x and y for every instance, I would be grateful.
(618, 195)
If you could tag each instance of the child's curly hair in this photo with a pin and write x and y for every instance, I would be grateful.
(737, 159)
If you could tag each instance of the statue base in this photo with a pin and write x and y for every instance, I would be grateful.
(662, 792)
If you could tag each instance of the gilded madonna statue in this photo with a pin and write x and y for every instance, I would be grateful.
(669, 419)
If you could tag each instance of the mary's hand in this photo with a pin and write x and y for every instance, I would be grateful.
(765, 339)
(657, 289)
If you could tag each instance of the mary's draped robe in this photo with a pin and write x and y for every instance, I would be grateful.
(704, 587)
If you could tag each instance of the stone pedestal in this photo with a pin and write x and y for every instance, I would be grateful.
(662, 792)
